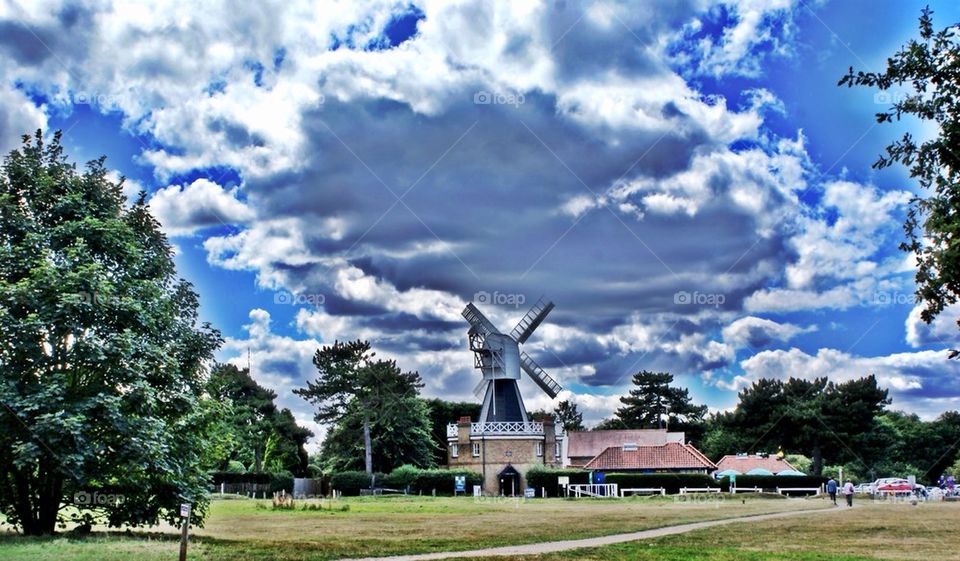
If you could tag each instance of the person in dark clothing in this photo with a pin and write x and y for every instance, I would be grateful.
(832, 490)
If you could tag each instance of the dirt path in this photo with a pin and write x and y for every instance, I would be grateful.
(565, 545)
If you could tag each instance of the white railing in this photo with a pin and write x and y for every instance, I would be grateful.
(605, 490)
(532, 427)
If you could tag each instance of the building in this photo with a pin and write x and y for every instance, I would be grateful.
(583, 446)
(669, 457)
(759, 464)
(503, 451)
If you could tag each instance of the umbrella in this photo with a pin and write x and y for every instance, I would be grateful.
(728, 472)
(790, 472)
(759, 471)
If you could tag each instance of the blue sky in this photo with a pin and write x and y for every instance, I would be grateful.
(684, 179)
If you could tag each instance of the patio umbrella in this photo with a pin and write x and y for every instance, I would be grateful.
(728, 472)
(791, 472)
(759, 471)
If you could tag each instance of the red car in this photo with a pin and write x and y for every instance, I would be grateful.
(892, 485)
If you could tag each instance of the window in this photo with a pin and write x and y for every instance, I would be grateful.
(539, 449)
(556, 450)
(454, 450)
(476, 449)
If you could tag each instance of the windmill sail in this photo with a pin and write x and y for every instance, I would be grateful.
(531, 321)
(476, 318)
(539, 375)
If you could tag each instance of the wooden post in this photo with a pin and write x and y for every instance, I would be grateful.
(185, 522)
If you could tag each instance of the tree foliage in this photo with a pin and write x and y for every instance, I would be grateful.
(927, 70)
(654, 403)
(352, 390)
(101, 352)
(569, 416)
(255, 432)
(442, 413)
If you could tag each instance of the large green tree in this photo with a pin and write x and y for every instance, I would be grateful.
(925, 80)
(101, 352)
(826, 421)
(654, 403)
(569, 416)
(257, 433)
(442, 413)
(352, 388)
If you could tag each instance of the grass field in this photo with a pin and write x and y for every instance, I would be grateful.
(241, 530)
(883, 531)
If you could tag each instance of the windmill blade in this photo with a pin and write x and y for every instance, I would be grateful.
(476, 318)
(531, 321)
(480, 390)
(539, 375)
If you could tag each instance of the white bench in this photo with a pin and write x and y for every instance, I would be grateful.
(643, 490)
(814, 490)
(685, 490)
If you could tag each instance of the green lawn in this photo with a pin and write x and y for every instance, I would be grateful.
(245, 530)
(881, 531)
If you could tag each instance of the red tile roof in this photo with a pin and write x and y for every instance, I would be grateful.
(587, 444)
(671, 455)
(743, 464)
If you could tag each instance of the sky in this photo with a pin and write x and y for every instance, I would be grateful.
(683, 179)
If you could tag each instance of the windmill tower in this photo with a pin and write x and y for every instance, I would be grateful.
(500, 360)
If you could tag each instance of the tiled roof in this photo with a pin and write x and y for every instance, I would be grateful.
(743, 464)
(587, 444)
(670, 455)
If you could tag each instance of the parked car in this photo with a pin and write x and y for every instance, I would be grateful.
(892, 485)
(863, 488)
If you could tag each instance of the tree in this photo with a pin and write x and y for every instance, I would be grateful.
(101, 353)
(251, 409)
(653, 403)
(568, 416)
(352, 387)
(442, 413)
(821, 419)
(928, 70)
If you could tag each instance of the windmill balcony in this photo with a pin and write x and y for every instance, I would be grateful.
(532, 428)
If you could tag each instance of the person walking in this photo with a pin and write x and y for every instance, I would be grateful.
(832, 490)
(848, 492)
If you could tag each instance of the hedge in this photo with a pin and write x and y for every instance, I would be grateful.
(231, 478)
(349, 483)
(771, 482)
(442, 481)
(671, 482)
(541, 478)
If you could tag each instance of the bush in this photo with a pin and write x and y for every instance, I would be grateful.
(351, 482)
(442, 480)
(235, 467)
(771, 482)
(402, 477)
(541, 478)
(231, 478)
(671, 482)
(281, 481)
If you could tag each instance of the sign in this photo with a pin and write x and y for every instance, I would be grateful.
(529, 493)
(185, 510)
(476, 491)
(460, 483)
(563, 480)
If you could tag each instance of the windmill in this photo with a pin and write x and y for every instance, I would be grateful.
(499, 358)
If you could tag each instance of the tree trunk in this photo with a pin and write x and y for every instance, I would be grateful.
(367, 447)
(817, 461)
(257, 458)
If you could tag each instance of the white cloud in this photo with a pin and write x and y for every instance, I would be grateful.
(752, 331)
(943, 330)
(184, 209)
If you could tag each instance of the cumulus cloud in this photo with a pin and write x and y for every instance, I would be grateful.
(185, 209)
(757, 332)
(943, 330)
